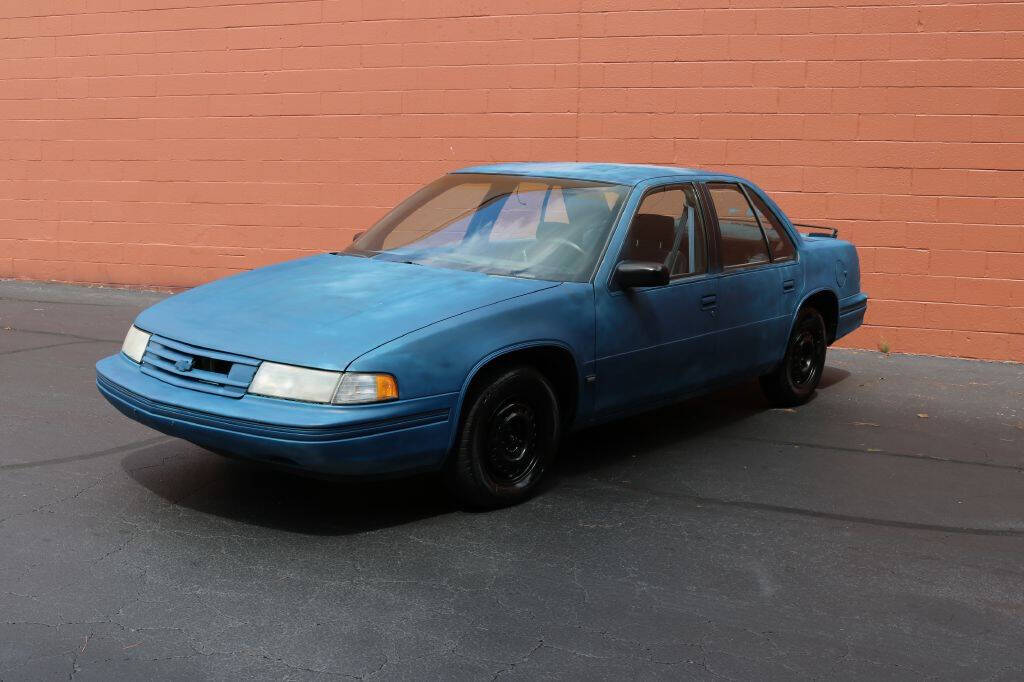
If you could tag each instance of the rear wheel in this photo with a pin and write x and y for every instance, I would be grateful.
(507, 439)
(793, 382)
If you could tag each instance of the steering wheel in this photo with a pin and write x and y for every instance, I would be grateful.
(566, 242)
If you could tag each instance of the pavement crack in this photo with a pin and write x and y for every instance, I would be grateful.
(78, 337)
(50, 505)
(800, 511)
(873, 452)
(540, 645)
(77, 653)
(120, 449)
(50, 345)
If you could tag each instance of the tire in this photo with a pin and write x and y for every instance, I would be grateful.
(793, 382)
(506, 440)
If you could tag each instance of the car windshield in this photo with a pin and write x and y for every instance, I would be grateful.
(540, 228)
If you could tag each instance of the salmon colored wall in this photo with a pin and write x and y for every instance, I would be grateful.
(188, 139)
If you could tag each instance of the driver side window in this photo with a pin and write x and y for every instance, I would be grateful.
(667, 228)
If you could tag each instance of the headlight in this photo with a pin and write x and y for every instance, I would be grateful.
(294, 383)
(320, 386)
(135, 343)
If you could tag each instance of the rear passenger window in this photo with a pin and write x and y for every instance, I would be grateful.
(778, 241)
(667, 228)
(743, 242)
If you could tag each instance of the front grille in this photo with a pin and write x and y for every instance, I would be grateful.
(200, 369)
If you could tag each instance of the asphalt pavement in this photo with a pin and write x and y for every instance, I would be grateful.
(874, 533)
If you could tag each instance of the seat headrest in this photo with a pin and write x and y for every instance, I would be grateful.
(587, 208)
(654, 229)
(547, 230)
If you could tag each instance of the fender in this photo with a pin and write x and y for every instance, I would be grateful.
(807, 295)
(494, 355)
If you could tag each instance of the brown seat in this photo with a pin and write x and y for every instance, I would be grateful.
(650, 237)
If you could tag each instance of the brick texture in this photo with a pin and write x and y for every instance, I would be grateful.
(183, 140)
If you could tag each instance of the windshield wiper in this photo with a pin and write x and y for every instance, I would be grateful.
(518, 273)
(396, 258)
(352, 251)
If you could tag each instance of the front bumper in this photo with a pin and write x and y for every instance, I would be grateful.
(402, 436)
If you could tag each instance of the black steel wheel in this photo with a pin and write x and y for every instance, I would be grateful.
(507, 437)
(511, 441)
(793, 382)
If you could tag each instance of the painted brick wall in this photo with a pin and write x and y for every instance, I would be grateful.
(184, 140)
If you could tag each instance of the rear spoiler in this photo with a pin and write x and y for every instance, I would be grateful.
(828, 231)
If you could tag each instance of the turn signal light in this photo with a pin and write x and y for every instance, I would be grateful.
(387, 389)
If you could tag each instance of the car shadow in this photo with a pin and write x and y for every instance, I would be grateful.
(246, 493)
(282, 500)
(673, 425)
(597, 447)
(832, 376)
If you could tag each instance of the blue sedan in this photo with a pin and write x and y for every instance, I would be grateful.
(489, 313)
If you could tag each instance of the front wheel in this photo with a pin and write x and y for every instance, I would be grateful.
(507, 439)
(793, 382)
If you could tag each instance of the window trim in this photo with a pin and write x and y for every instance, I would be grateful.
(718, 228)
(702, 214)
(782, 232)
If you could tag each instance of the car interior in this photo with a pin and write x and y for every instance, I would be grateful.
(671, 236)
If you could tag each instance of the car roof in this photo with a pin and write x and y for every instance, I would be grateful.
(620, 173)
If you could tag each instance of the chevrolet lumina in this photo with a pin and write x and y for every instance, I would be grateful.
(488, 314)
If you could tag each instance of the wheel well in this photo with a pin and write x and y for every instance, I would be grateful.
(555, 363)
(826, 303)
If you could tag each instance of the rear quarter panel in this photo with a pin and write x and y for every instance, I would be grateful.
(831, 264)
(824, 264)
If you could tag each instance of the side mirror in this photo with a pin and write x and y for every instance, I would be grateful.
(636, 273)
(357, 235)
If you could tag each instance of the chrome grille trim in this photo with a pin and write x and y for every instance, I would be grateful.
(174, 362)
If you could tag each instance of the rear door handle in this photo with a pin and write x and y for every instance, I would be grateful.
(788, 285)
(708, 302)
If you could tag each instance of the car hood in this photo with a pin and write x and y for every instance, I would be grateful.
(326, 310)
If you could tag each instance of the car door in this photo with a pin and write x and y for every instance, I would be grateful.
(752, 323)
(657, 342)
(782, 251)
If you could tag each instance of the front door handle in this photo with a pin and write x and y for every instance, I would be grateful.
(708, 302)
(788, 285)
